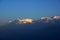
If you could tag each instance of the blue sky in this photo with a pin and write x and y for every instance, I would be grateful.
(29, 8)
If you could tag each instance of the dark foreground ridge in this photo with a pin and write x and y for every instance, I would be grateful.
(34, 31)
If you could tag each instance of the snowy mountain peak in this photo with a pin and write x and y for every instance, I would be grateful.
(56, 17)
(46, 19)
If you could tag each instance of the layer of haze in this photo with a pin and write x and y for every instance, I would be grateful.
(28, 8)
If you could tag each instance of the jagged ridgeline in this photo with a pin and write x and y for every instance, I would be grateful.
(44, 19)
(45, 28)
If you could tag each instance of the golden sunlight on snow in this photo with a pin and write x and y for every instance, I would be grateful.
(56, 17)
(24, 21)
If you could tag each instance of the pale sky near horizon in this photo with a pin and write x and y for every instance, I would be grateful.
(29, 8)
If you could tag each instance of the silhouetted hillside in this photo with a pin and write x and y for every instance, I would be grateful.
(34, 31)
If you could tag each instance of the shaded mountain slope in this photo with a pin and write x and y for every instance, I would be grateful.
(34, 31)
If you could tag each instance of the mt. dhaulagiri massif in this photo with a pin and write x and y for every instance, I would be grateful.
(45, 28)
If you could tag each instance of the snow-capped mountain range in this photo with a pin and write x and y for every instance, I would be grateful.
(43, 28)
(44, 19)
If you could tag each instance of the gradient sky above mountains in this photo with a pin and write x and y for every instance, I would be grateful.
(29, 8)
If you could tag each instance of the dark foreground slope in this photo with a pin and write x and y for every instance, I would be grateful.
(35, 31)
